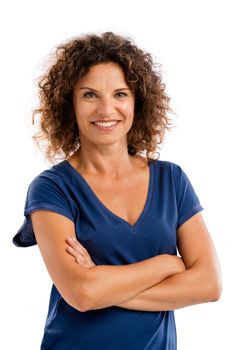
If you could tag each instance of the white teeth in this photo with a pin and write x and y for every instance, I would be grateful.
(106, 124)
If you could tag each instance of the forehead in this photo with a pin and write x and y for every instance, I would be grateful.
(110, 72)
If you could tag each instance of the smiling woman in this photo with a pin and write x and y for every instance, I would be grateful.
(77, 59)
(105, 124)
(104, 108)
(108, 221)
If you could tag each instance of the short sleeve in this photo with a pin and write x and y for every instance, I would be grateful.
(43, 193)
(188, 203)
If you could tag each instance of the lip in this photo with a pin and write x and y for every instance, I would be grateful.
(104, 128)
(105, 120)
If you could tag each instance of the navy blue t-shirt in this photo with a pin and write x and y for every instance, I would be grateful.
(110, 240)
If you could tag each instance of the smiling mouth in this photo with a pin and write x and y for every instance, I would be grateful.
(106, 125)
(105, 122)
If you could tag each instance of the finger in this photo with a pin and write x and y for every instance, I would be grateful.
(79, 258)
(78, 255)
(72, 251)
(75, 244)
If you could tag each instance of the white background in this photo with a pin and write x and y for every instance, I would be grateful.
(193, 42)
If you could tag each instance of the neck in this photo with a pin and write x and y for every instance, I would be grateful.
(104, 163)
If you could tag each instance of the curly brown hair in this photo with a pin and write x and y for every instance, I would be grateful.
(72, 60)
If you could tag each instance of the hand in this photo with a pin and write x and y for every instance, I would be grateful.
(80, 254)
(179, 264)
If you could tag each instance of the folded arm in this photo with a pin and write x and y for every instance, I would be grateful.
(158, 283)
(98, 286)
(199, 283)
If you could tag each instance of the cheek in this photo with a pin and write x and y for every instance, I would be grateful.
(128, 109)
(83, 110)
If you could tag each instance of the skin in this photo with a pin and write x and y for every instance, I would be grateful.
(98, 286)
(162, 282)
(103, 154)
(199, 282)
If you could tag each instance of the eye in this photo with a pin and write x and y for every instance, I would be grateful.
(89, 94)
(121, 94)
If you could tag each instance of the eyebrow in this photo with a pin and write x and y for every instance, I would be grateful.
(88, 88)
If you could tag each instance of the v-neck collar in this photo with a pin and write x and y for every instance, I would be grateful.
(100, 203)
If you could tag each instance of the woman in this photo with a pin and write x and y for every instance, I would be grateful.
(108, 220)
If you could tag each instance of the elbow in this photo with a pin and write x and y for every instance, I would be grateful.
(89, 292)
(211, 283)
(85, 302)
(216, 293)
(80, 299)
(82, 305)
(84, 294)
(215, 289)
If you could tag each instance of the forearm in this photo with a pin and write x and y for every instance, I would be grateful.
(193, 286)
(112, 285)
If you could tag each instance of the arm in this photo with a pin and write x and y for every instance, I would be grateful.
(98, 286)
(200, 283)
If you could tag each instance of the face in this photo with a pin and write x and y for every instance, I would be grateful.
(104, 105)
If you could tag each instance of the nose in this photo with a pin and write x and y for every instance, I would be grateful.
(106, 106)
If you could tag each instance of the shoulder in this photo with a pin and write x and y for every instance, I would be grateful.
(54, 171)
(48, 191)
(170, 174)
(162, 164)
(168, 167)
(54, 175)
(52, 184)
